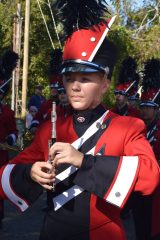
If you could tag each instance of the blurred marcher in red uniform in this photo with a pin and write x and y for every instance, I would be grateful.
(134, 100)
(57, 93)
(149, 106)
(8, 130)
(64, 107)
(126, 86)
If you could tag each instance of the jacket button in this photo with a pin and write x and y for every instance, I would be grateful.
(98, 125)
(117, 194)
(93, 39)
(84, 54)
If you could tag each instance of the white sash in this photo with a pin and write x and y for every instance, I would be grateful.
(77, 144)
(75, 190)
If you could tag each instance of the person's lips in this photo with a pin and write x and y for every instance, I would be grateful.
(75, 97)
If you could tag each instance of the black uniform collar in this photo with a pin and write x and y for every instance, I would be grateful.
(83, 120)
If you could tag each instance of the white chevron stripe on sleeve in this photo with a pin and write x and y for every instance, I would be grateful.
(15, 199)
(124, 180)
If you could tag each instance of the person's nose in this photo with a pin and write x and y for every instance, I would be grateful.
(76, 85)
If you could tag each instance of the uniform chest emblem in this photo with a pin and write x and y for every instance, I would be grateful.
(81, 119)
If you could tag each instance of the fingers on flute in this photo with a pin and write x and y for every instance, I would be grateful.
(47, 187)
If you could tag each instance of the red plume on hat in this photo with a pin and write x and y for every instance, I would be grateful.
(86, 48)
(151, 83)
(128, 80)
(55, 76)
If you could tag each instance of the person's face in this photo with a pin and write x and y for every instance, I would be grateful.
(133, 103)
(63, 97)
(148, 113)
(38, 91)
(33, 112)
(120, 99)
(53, 92)
(85, 90)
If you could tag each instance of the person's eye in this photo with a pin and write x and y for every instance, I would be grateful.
(84, 79)
(69, 79)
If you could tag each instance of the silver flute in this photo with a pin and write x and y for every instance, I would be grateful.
(53, 137)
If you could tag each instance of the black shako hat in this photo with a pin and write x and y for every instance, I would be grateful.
(151, 84)
(86, 48)
(8, 63)
(128, 79)
(55, 76)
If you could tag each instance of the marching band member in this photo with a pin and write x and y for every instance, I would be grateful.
(149, 106)
(57, 93)
(102, 159)
(8, 130)
(126, 87)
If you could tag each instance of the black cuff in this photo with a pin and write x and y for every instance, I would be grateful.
(23, 185)
(97, 173)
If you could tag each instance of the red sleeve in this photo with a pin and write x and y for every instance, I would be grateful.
(137, 145)
(35, 152)
(43, 111)
(114, 178)
(31, 154)
(11, 123)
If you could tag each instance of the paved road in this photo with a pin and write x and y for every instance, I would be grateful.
(23, 226)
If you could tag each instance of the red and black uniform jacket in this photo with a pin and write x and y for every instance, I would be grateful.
(127, 110)
(88, 201)
(153, 136)
(7, 127)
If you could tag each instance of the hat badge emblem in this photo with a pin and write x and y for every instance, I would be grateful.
(81, 119)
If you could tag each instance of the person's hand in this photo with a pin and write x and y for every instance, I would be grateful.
(66, 153)
(43, 173)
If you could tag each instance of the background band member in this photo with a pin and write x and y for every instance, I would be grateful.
(126, 87)
(101, 158)
(8, 130)
(57, 93)
(149, 106)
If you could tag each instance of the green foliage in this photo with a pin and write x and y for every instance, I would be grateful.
(148, 44)
(109, 98)
(121, 37)
(6, 25)
(40, 46)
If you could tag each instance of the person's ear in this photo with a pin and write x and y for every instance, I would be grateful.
(106, 85)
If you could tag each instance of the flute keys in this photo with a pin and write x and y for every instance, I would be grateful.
(53, 188)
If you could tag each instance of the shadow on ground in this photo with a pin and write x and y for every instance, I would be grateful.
(27, 225)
